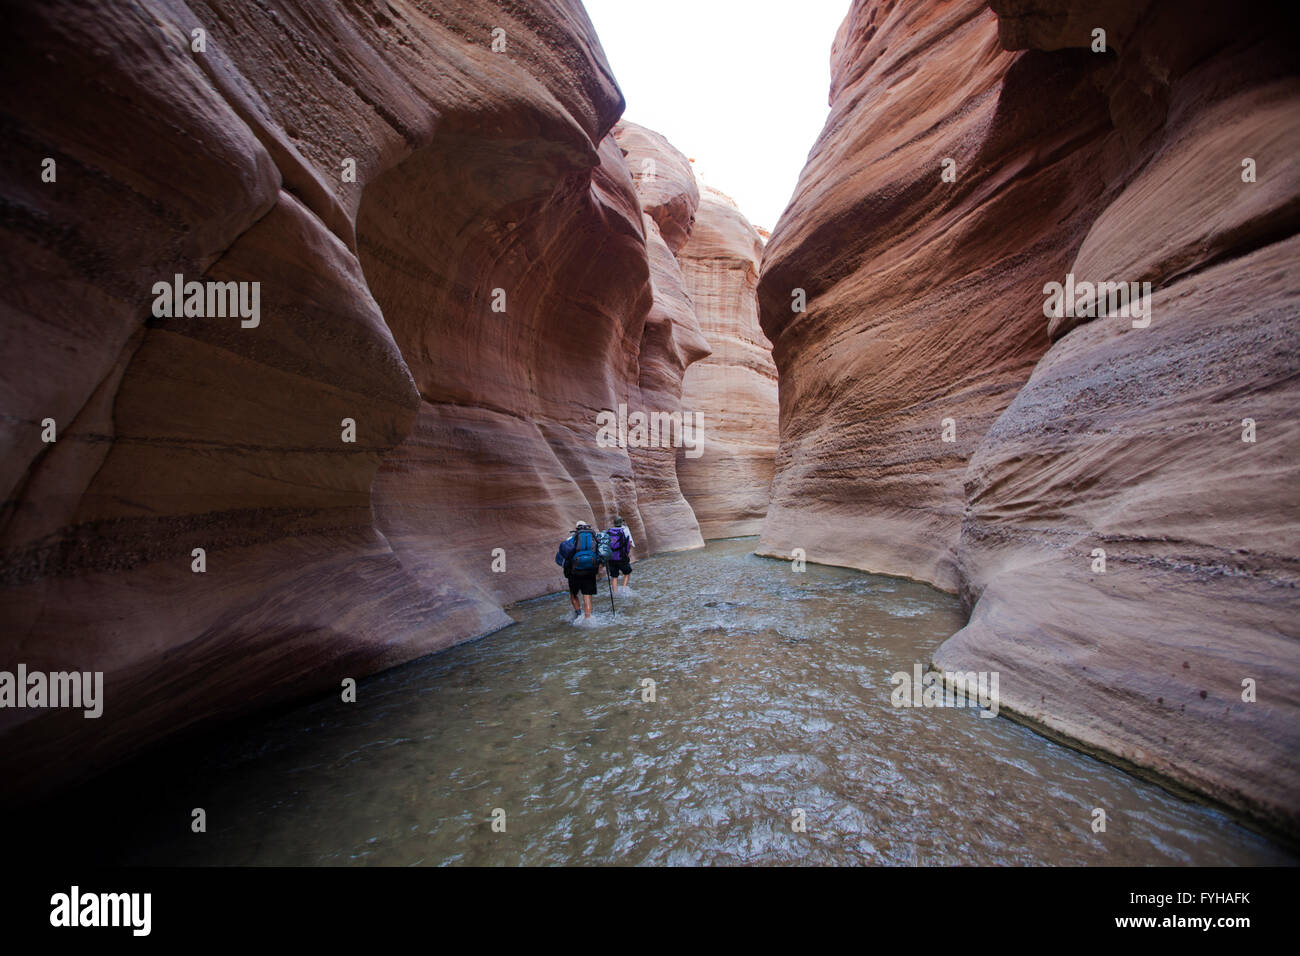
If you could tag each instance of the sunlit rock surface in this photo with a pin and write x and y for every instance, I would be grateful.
(703, 354)
(727, 479)
(671, 340)
(926, 304)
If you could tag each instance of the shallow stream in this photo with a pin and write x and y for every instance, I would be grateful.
(772, 695)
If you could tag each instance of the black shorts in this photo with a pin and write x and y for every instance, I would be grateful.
(585, 582)
(617, 567)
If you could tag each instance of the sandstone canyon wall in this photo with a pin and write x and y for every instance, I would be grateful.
(705, 277)
(925, 321)
(672, 339)
(734, 388)
(452, 258)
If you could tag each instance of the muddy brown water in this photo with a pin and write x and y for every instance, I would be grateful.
(772, 695)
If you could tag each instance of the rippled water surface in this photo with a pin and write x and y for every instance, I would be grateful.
(772, 694)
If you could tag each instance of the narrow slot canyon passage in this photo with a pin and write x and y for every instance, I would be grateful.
(930, 366)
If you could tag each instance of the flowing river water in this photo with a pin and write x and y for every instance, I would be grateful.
(772, 694)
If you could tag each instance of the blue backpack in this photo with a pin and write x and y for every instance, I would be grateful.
(584, 558)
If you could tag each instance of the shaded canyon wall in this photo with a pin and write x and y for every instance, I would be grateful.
(925, 321)
(456, 277)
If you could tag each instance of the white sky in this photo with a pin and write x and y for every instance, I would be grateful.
(740, 85)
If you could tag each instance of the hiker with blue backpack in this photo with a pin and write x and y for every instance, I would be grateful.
(620, 554)
(581, 556)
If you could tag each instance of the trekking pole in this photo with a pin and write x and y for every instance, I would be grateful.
(611, 592)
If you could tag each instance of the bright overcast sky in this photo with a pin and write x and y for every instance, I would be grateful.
(740, 85)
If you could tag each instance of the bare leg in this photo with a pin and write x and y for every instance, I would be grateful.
(586, 605)
(573, 599)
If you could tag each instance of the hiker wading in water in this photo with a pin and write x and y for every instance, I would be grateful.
(620, 554)
(581, 556)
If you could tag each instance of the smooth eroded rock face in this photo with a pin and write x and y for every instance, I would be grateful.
(923, 303)
(671, 339)
(703, 355)
(665, 181)
(926, 307)
(1169, 448)
(504, 451)
(454, 282)
(733, 390)
(1126, 444)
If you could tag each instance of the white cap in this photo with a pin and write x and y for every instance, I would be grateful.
(582, 524)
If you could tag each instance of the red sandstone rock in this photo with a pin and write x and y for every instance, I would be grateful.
(734, 389)
(671, 339)
(1129, 440)
(922, 304)
(475, 429)
(452, 258)
(665, 181)
(925, 302)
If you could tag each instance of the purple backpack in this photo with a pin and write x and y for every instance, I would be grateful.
(617, 544)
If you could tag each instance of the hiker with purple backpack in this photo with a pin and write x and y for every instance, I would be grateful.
(620, 554)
